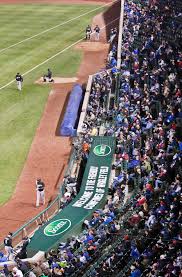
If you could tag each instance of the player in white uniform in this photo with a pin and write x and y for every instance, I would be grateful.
(8, 245)
(19, 81)
(97, 32)
(40, 188)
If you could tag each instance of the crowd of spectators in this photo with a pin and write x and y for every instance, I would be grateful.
(97, 106)
(139, 236)
(147, 128)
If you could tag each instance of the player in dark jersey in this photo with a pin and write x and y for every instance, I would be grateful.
(8, 245)
(97, 32)
(40, 188)
(88, 32)
(19, 81)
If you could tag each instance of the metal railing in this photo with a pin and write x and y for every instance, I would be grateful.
(31, 226)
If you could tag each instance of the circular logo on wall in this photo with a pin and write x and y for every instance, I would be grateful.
(57, 227)
(102, 150)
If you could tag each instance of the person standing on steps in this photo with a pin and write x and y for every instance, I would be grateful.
(19, 81)
(88, 32)
(40, 188)
(97, 32)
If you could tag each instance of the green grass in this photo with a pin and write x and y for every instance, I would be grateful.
(20, 114)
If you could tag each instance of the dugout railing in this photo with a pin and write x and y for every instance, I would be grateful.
(31, 226)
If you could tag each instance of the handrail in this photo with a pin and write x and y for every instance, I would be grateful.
(33, 219)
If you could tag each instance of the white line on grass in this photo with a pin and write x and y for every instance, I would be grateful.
(54, 27)
(57, 54)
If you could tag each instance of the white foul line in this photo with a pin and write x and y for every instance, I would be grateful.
(54, 27)
(52, 57)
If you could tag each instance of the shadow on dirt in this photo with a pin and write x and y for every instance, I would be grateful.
(110, 15)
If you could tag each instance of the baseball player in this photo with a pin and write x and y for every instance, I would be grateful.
(19, 81)
(97, 32)
(88, 32)
(40, 188)
(49, 75)
(8, 245)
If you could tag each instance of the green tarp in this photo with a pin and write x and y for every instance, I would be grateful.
(92, 195)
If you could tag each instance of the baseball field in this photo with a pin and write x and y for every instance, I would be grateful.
(34, 37)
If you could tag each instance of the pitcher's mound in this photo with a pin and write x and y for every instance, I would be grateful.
(58, 80)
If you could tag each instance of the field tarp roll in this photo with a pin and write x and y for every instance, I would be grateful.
(92, 195)
(70, 117)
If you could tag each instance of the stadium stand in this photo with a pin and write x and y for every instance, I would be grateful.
(138, 232)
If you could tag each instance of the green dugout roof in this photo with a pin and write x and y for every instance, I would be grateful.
(94, 188)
